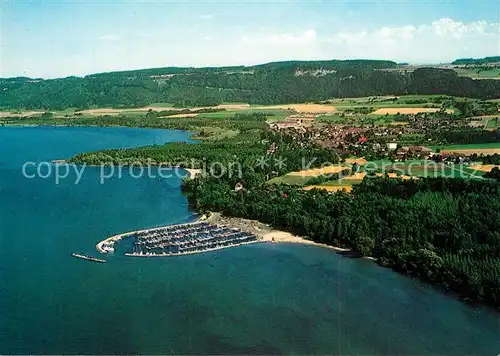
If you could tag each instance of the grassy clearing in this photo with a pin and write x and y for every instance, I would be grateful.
(67, 111)
(290, 180)
(492, 124)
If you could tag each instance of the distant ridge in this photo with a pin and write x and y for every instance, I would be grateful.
(485, 60)
(270, 83)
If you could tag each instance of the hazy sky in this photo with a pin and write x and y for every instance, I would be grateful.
(61, 38)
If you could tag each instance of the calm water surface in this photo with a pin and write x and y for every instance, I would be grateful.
(263, 298)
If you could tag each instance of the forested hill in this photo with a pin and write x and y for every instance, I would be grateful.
(271, 83)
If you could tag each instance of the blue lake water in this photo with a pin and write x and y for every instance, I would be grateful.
(263, 298)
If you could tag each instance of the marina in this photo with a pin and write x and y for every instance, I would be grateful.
(181, 239)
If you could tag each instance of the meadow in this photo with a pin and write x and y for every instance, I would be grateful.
(493, 73)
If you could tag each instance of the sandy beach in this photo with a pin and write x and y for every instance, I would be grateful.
(277, 236)
(269, 235)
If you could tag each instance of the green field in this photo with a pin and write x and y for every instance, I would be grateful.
(493, 123)
(161, 105)
(333, 119)
(290, 180)
(493, 73)
(302, 181)
(218, 115)
(271, 114)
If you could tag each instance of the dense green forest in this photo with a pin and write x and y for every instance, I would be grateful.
(272, 83)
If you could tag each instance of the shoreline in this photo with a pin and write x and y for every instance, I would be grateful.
(192, 172)
(192, 133)
(278, 236)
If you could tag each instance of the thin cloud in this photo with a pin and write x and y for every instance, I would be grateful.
(439, 41)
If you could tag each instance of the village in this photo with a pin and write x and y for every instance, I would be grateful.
(397, 137)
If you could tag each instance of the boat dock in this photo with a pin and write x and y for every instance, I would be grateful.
(88, 258)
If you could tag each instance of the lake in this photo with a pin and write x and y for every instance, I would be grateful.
(255, 299)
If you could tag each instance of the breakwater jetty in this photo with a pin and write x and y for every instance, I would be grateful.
(181, 239)
(88, 258)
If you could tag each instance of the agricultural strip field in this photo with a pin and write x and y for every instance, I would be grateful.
(319, 171)
(181, 115)
(406, 110)
(301, 108)
(483, 148)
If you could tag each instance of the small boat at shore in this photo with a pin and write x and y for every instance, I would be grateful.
(88, 258)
